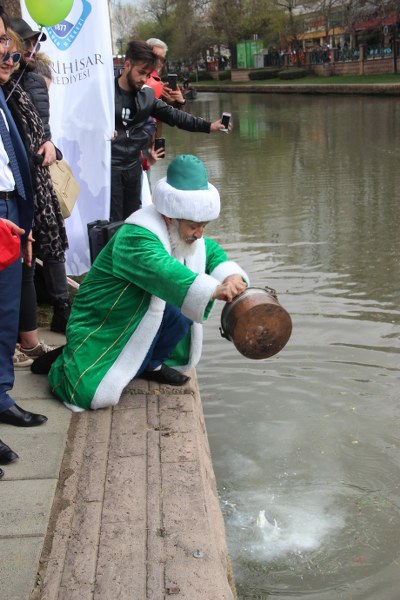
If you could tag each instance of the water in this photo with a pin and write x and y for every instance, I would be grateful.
(305, 444)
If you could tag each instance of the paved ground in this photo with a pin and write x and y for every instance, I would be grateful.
(112, 504)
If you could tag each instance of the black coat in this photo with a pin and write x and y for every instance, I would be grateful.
(36, 88)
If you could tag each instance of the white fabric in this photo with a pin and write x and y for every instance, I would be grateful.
(198, 206)
(146, 192)
(7, 183)
(82, 113)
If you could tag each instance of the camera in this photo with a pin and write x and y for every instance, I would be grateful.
(225, 120)
(159, 143)
(172, 80)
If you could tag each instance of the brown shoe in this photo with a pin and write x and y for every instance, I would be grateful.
(38, 350)
(21, 360)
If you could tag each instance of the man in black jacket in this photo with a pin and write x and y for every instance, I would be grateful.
(134, 104)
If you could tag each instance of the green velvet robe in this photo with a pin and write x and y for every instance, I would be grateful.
(119, 308)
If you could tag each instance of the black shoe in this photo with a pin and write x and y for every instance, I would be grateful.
(6, 454)
(165, 375)
(20, 417)
(61, 312)
(1, 473)
(42, 365)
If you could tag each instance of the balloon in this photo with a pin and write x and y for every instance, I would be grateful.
(48, 12)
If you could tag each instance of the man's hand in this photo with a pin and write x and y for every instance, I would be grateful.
(218, 126)
(172, 96)
(27, 250)
(48, 151)
(155, 155)
(231, 287)
(18, 230)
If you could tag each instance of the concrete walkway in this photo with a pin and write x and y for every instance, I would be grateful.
(112, 504)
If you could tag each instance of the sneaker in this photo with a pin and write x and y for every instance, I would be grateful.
(40, 349)
(21, 360)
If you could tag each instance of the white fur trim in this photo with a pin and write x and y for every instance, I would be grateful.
(196, 347)
(149, 218)
(73, 407)
(146, 192)
(131, 358)
(227, 268)
(194, 205)
(198, 296)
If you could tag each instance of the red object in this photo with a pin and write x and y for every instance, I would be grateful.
(10, 245)
(154, 81)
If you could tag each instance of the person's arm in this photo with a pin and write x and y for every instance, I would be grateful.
(181, 119)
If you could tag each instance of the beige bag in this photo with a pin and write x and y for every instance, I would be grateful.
(65, 186)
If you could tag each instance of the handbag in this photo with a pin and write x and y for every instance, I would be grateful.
(65, 186)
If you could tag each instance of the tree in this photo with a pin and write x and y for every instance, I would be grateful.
(193, 33)
(123, 18)
(294, 25)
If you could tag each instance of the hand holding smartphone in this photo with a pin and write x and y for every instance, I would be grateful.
(172, 81)
(160, 143)
(225, 120)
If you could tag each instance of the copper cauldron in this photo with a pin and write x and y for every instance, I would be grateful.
(256, 323)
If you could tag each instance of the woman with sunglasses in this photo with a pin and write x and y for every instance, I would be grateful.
(34, 84)
(48, 226)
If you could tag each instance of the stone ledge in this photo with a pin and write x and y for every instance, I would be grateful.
(136, 513)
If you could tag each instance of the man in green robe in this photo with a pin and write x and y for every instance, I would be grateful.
(144, 299)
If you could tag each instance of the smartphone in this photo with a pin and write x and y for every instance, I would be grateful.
(225, 119)
(172, 80)
(159, 143)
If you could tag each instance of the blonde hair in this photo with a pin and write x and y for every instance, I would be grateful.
(16, 45)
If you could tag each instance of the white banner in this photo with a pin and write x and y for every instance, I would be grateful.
(82, 113)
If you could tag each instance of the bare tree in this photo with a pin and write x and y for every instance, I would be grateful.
(123, 19)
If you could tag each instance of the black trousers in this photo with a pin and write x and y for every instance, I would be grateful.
(55, 276)
(126, 190)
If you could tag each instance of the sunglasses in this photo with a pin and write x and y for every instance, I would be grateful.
(15, 57)
(31, 44)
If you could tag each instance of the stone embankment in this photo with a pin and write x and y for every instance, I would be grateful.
(115, 503)
(351, 89)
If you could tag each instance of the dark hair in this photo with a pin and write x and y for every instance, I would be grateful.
(139, 52)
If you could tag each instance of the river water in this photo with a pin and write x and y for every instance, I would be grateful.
(305, 444)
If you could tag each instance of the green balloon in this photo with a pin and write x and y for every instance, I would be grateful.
(48, 12)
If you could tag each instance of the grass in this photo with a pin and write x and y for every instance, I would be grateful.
(312, 79)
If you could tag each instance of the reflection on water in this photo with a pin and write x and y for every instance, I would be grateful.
(305, 444)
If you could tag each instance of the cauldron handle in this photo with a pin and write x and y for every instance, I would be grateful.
(271, 291)
(223, 334)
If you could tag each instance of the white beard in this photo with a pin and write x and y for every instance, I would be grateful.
(180, 248)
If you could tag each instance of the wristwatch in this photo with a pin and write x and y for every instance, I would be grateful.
(182, 103)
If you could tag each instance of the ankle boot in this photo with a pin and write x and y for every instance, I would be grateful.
(61, 312)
